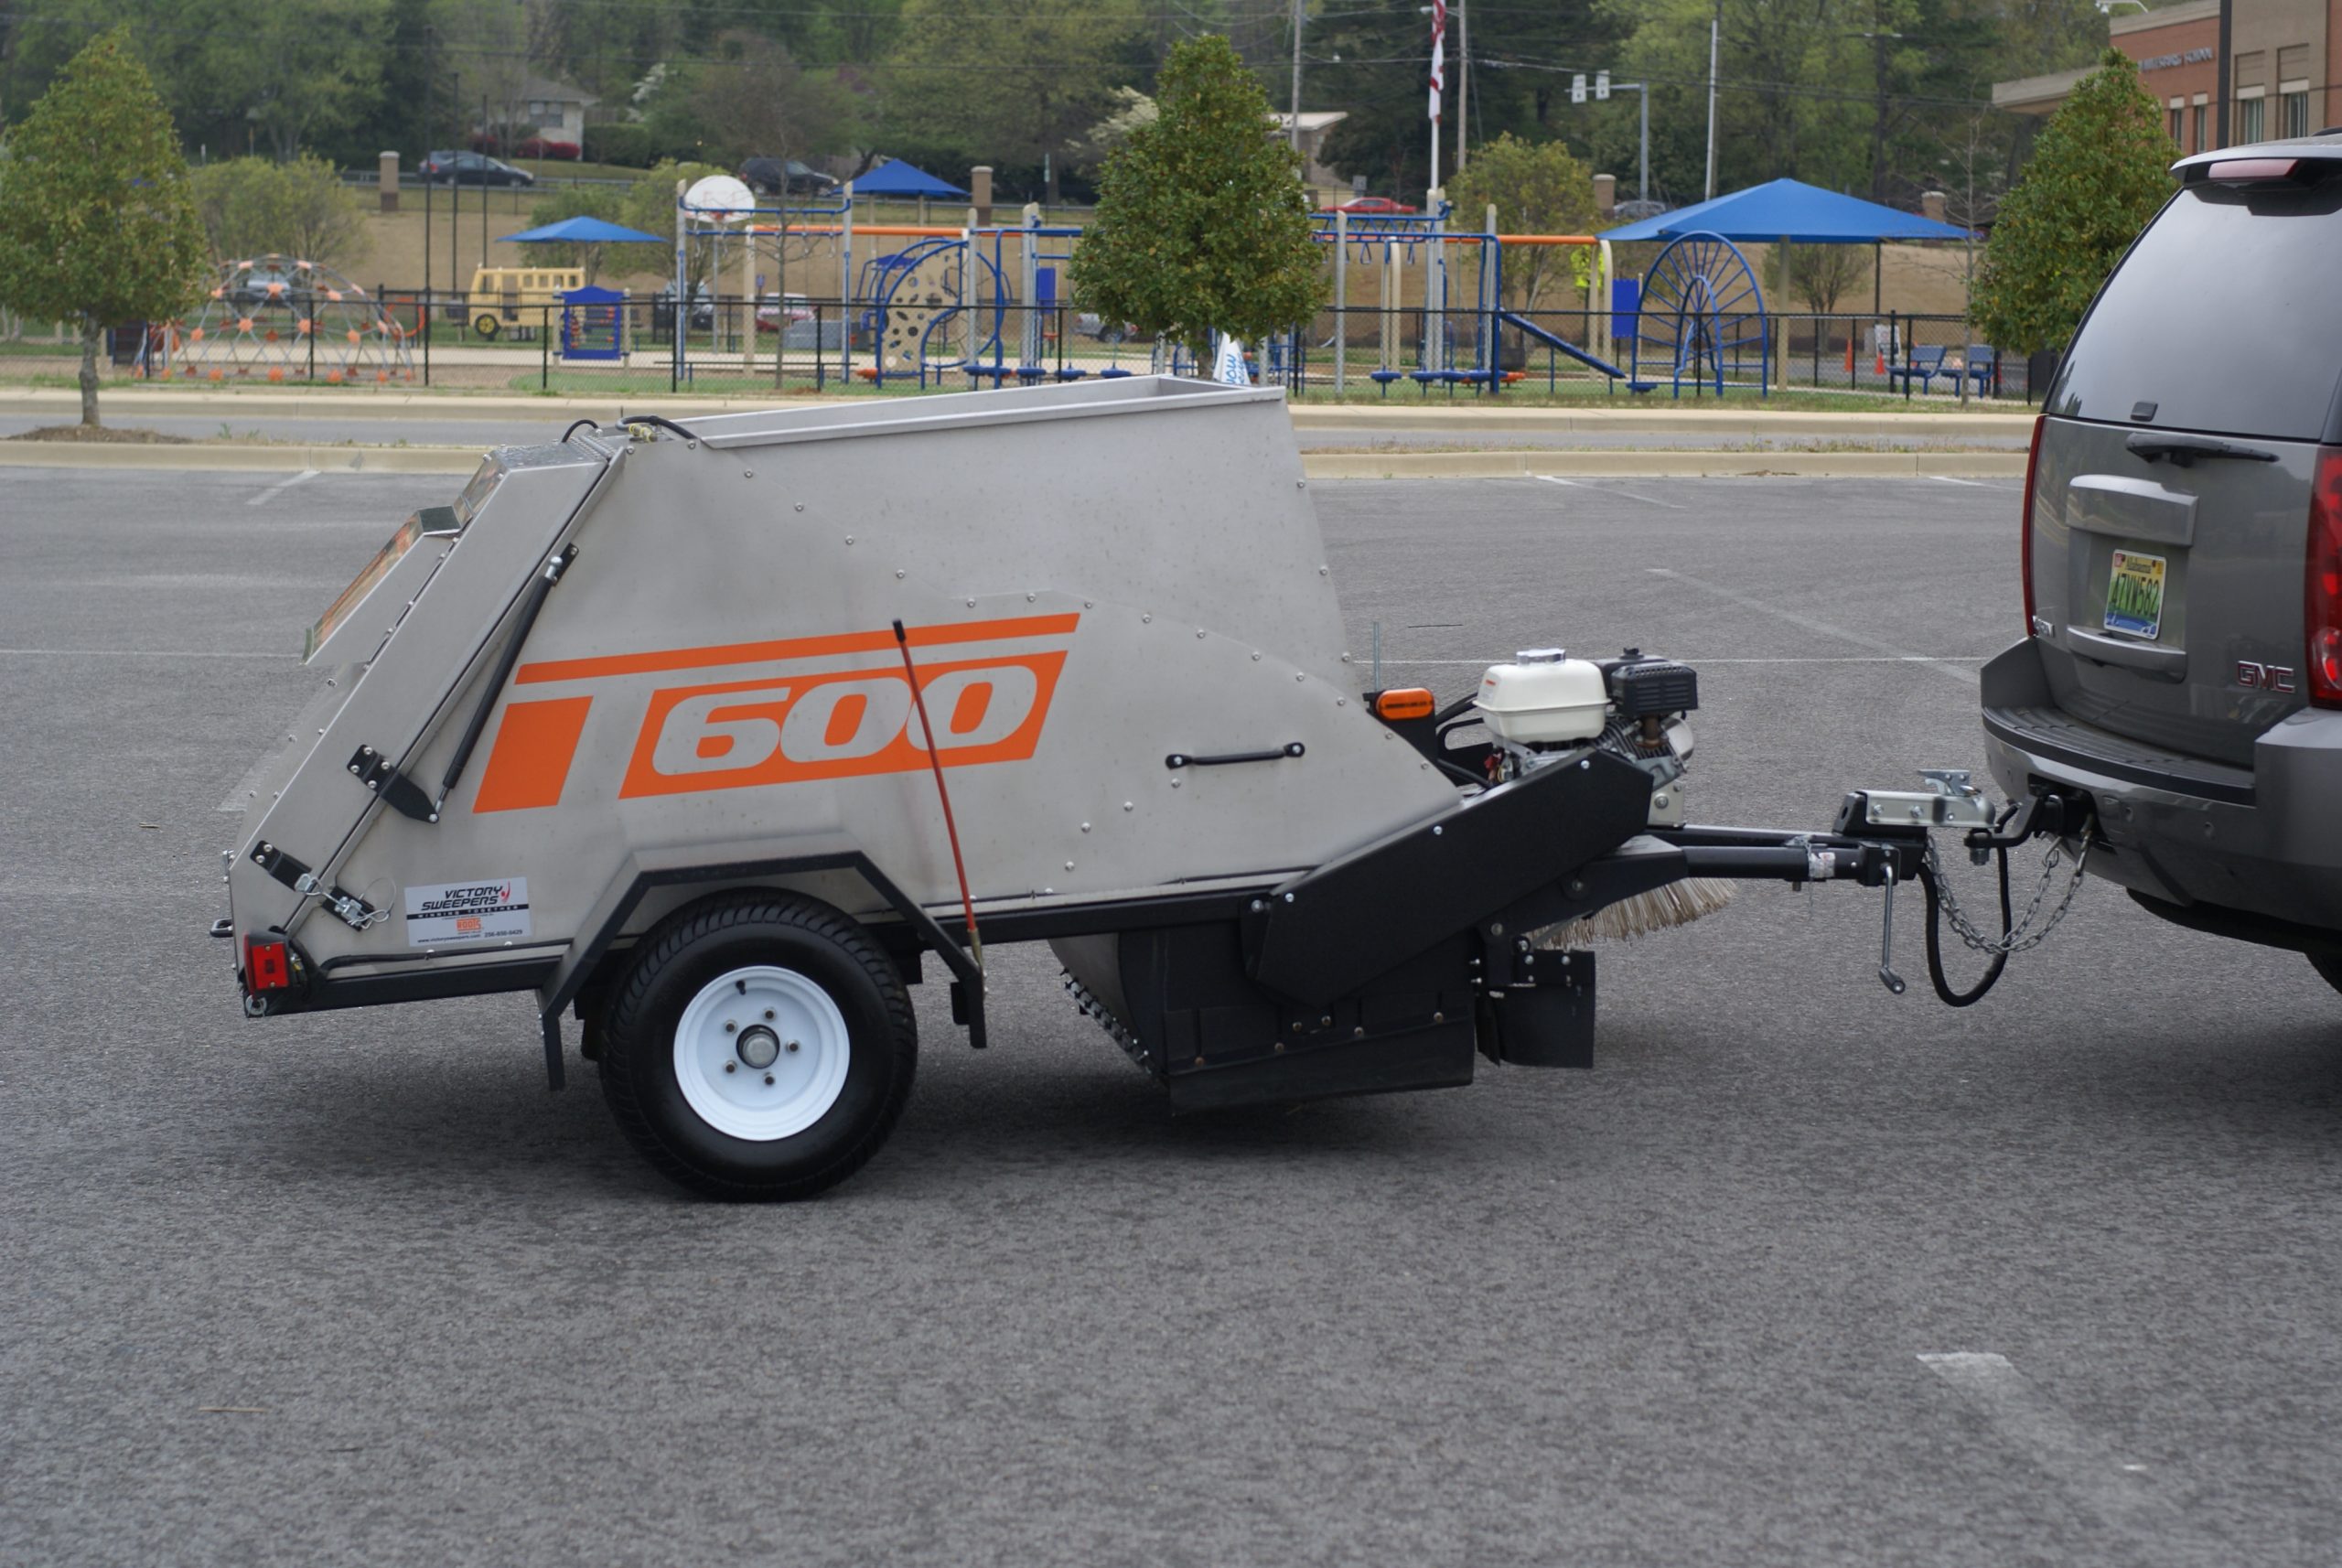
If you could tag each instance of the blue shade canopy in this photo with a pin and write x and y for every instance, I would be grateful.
(1793, 211)
(896, 177)
(584, 231)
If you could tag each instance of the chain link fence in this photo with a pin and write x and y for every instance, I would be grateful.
(727, 346)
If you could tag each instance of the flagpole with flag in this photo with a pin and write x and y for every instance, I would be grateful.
(1438, 78)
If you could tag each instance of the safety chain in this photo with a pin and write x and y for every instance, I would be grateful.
(2021, 938)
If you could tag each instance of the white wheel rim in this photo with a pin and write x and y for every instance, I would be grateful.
(761, 1053)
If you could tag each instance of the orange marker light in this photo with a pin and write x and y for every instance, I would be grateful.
(1403, 703)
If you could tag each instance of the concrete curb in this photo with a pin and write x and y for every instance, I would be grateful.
(1648, 464)
(237, 457)
(228, 456)
(1646, 418)
(1640, 417)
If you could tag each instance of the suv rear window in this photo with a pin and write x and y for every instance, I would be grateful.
(2225, 315)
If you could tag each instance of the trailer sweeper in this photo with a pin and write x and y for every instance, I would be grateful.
(716, 734)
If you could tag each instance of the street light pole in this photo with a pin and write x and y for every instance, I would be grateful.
(1642, 182)
(1603, 88)
(1294, 130)
(1715, 28)
(1462, 81)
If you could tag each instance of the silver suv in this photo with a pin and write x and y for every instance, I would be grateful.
(2183, 561)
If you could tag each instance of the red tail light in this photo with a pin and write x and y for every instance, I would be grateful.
(267, 965)
(2322, 604)
(2024, 529)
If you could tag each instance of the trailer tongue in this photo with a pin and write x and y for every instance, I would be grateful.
(713, 735)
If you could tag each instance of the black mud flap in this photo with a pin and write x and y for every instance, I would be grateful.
(1545, 1017)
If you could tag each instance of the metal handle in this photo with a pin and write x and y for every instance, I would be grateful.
(1886, 975)
(1182, 759)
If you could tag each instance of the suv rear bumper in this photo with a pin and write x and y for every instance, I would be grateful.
(2181, 830)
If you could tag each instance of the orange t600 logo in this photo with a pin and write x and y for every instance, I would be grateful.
(781, 729)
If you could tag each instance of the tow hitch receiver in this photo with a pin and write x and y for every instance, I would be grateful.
(1951, 800)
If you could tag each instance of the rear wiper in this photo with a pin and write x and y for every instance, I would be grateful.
(2183, 450)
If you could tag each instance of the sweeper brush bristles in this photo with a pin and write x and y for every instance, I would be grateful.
(1677, 904)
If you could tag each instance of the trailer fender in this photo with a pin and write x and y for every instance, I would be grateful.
(720, 865)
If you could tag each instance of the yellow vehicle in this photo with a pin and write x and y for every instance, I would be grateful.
(499, 294)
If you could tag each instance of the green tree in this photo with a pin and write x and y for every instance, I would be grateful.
(1537, 188)
(96, 221)
(1820, 275)
(1202, 220)
(650, 205)
(1007, 82)
(2098, 173)
(577, 202)
(252, 207)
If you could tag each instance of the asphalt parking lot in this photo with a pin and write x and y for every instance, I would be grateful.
(1802, 1274)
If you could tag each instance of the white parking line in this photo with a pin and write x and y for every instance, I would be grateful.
(1902, 655)
(281, 486)
(137, 653)
(1606, 490)
(2120, 1494)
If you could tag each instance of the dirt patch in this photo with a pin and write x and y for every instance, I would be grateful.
(103, 432)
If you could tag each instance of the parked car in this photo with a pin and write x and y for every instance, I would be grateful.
(1371, 204)
(772, 309)
(772, 177)
(473, 168)
(663, 307)
(2182, 663)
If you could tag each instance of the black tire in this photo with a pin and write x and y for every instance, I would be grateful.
(2328, 964)
(486, 325)
(686, 955)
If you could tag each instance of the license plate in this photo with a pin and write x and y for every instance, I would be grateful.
(2134, 593)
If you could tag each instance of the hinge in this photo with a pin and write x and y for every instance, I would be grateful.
(283, 867)
(398, 792)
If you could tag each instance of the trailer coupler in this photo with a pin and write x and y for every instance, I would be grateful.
(1881, 838)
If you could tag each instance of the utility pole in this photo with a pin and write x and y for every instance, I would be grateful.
(2221, 129)
(1462, 81)
(1716, 29)
(429, 74)
(1293, 138)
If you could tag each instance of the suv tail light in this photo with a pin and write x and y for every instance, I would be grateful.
(2321, 602)
(2024, 529)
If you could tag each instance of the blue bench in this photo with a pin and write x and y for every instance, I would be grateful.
(1927, 363)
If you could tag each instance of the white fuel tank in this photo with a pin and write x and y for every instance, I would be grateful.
(1544, 696)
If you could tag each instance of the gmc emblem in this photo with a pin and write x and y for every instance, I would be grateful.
(2264, 677)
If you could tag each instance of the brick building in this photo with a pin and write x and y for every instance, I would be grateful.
(2283, 70)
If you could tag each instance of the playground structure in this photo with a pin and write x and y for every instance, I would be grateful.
(1702, 315)
(989, 303)
(279, 320)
